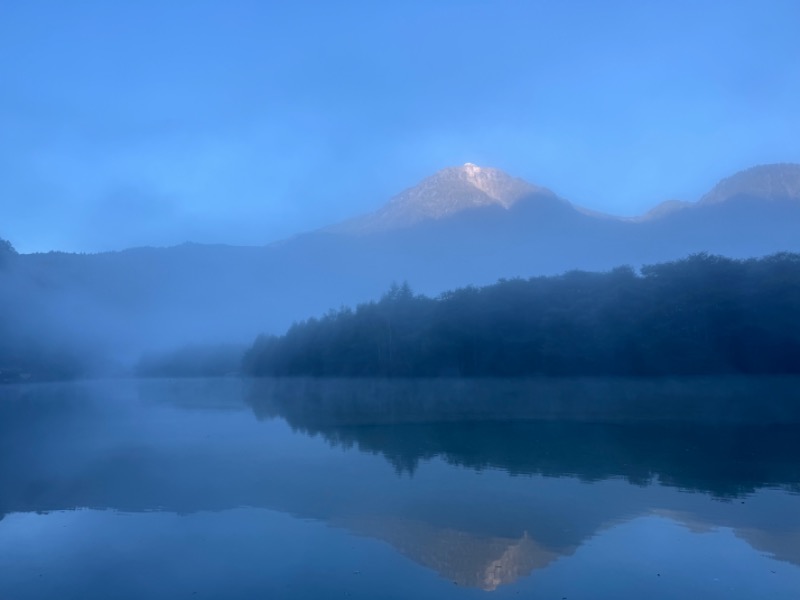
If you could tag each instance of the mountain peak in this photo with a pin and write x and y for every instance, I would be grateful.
(777, 181)
(444, 194)
(501, 187)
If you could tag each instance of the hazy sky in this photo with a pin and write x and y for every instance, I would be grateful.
(154, 122)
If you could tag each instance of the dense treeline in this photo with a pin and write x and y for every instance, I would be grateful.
(7, 251)
(704, 314)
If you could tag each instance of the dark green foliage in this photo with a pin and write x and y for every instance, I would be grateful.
(701, 315)
(7, 251)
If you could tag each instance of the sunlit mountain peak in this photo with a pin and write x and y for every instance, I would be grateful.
(445, 193)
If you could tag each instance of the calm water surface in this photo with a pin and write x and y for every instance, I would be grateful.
(219, 489)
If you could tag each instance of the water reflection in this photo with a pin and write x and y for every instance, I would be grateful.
(483, 503)
(463, 557)
(711, 400)
(495, 425)
(412, 421)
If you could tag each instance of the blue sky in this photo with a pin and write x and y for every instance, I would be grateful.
(155, 122)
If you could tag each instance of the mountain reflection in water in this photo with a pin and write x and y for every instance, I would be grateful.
(482, 502)
(466, 559)
(497, 426)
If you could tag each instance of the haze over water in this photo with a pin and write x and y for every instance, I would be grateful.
(225, 488)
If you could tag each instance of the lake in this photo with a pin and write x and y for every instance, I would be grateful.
(298, 489)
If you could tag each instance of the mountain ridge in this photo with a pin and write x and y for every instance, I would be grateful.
(771, 181)
(460, 190)
(444, 194)
(456, 190)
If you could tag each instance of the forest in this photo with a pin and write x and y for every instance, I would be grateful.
(701, 315)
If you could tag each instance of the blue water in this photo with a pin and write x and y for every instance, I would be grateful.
(187, 490)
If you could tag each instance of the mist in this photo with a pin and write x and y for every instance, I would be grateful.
(412, 300)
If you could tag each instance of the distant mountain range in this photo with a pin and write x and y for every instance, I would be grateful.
(472, 225)
(463, 225)
(458, 189)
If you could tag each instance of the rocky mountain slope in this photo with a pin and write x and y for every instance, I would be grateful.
(446, 193)
(765, 182)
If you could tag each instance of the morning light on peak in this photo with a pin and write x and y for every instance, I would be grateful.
(471, 169)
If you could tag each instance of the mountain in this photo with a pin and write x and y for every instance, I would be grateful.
(472, 225)
(464, 225)
(447, 193)
(751, 213)
(457, 190)
(662, 210)
(765, 182)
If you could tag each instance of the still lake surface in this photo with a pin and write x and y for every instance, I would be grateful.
(241, 489)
